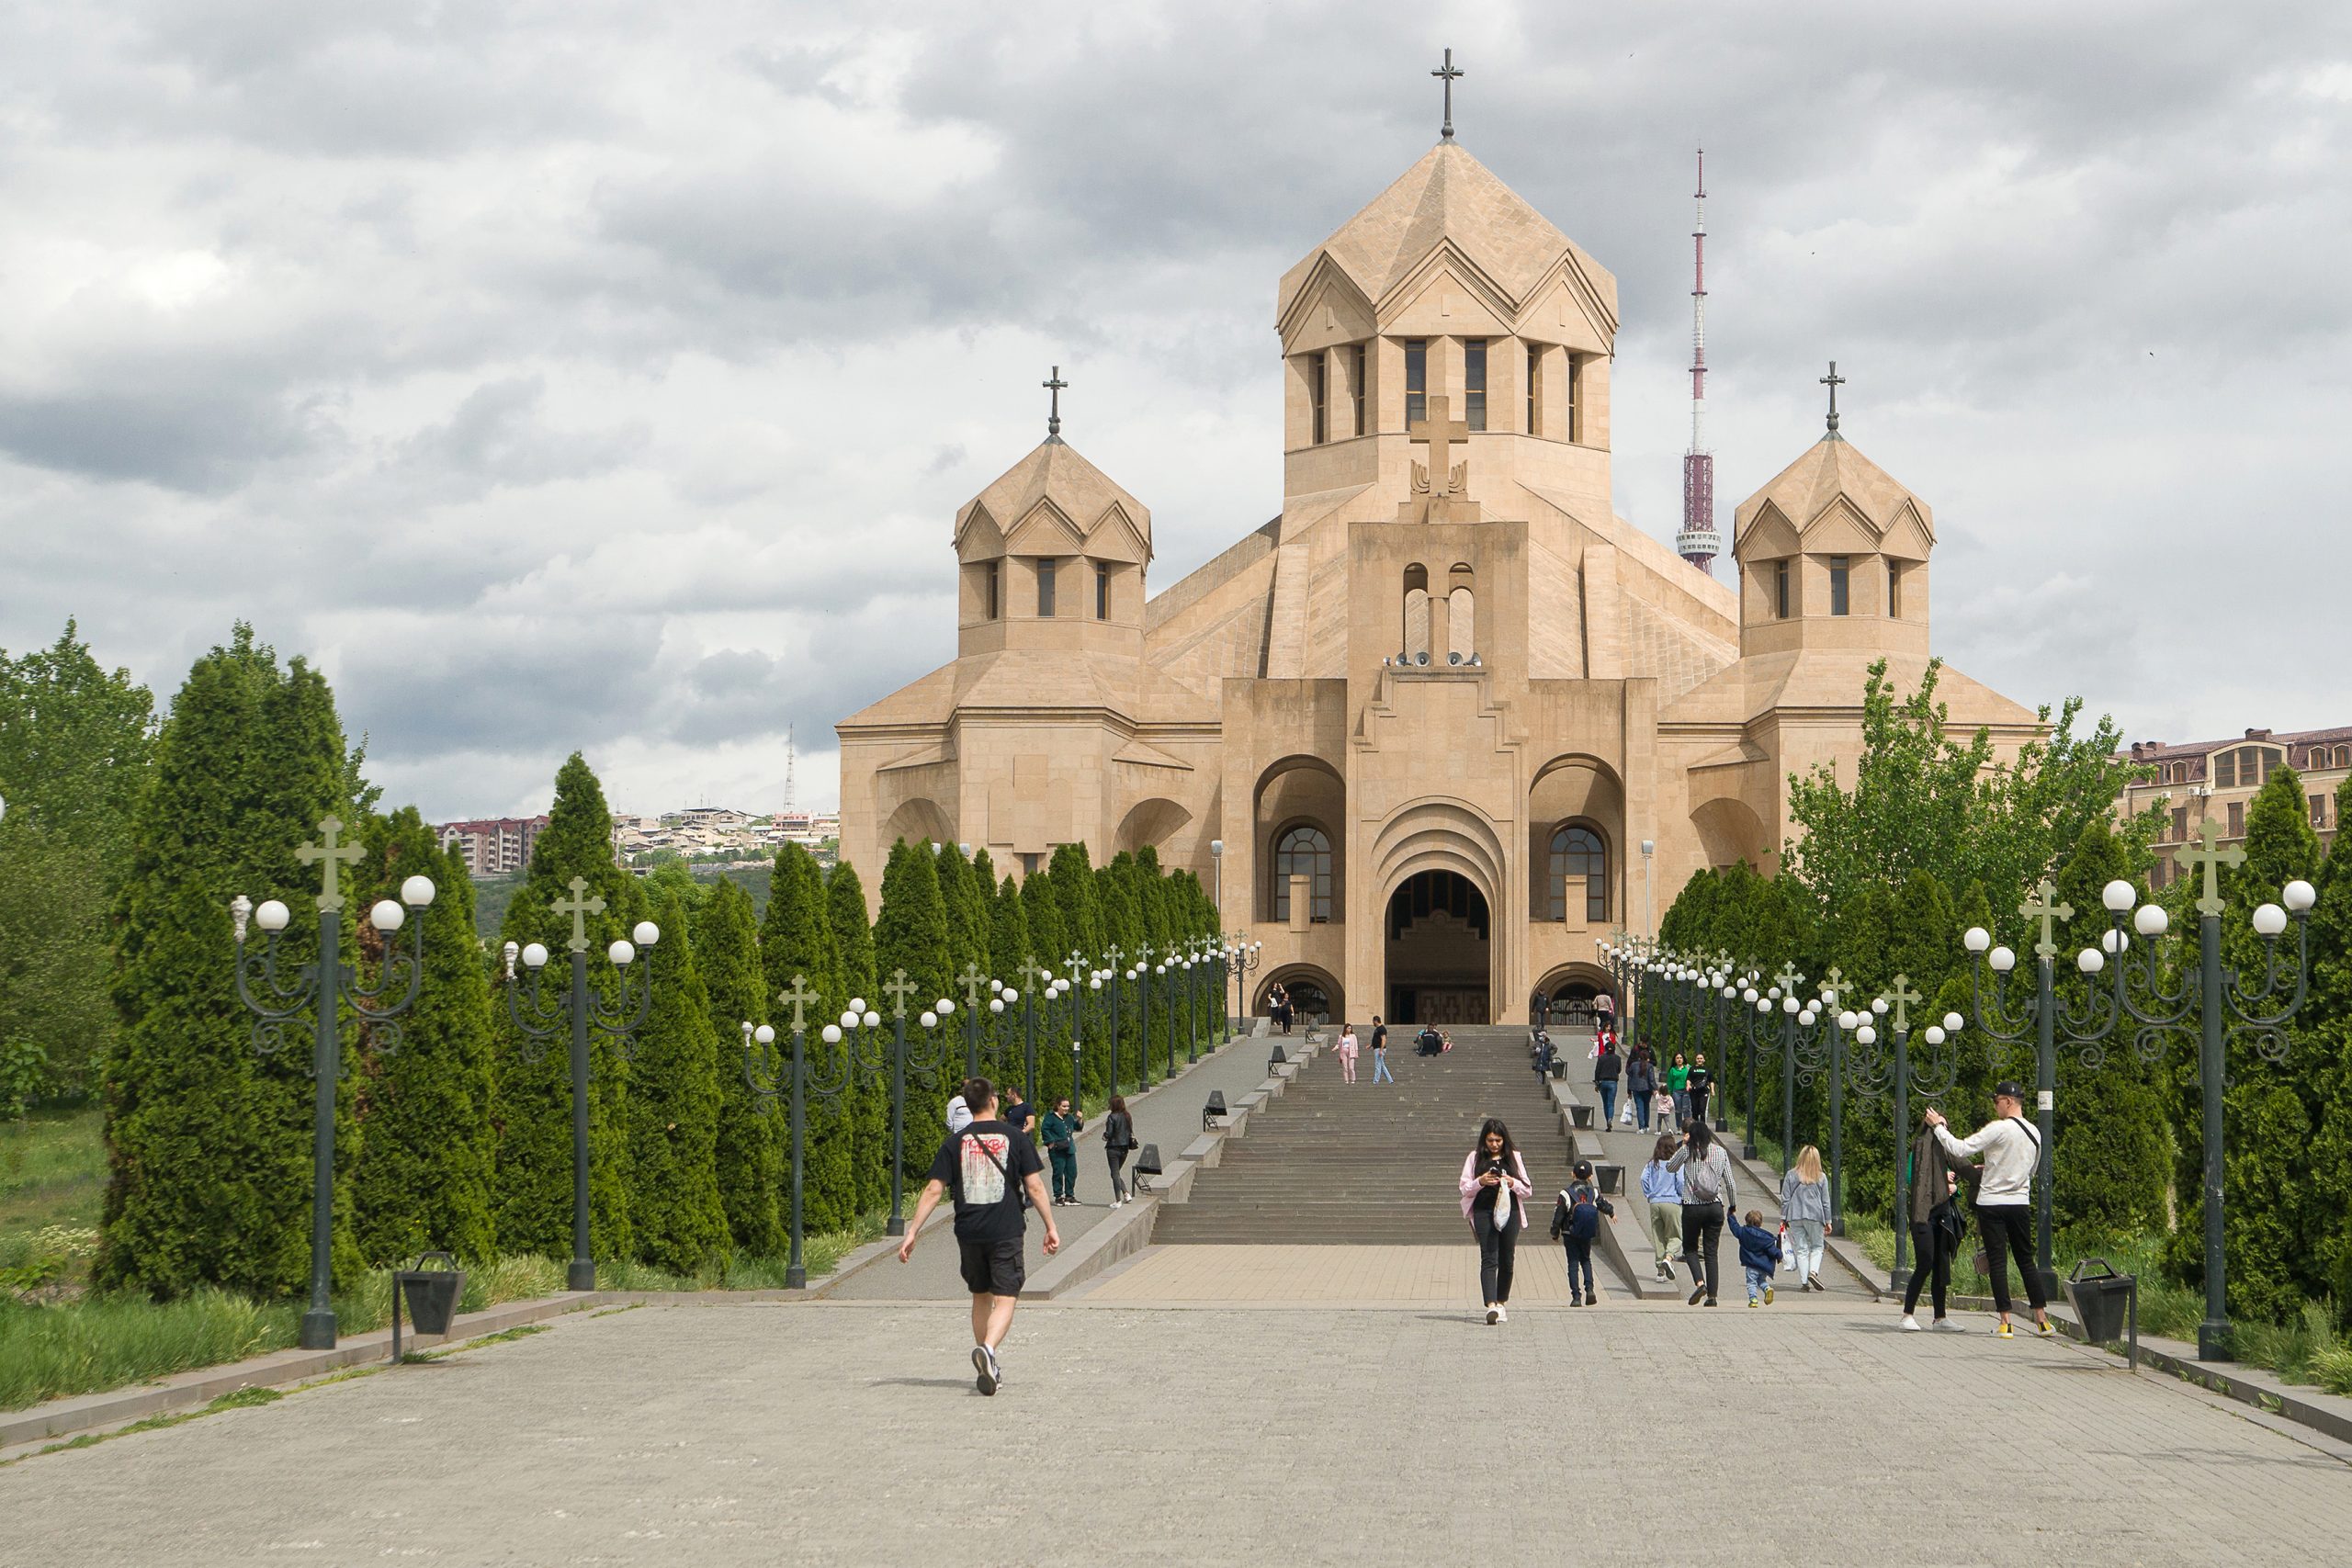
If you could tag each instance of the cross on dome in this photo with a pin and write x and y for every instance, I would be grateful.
(1833, 382)
(1053, 385)
(1449, 72)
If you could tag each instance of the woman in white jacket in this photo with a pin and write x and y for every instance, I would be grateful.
(1495, 1194)
(2011, 1149)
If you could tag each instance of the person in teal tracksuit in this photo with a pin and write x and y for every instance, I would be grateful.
(1061, 1128)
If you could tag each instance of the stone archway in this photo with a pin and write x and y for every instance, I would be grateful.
(1442, 866)
(1571, 992)
(1314, 996)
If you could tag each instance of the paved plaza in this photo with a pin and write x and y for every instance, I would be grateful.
(850, 1433)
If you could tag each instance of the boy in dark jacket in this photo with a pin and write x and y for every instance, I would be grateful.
(1575, 1220)
(1760, 1254)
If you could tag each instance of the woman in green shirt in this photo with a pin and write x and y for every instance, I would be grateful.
(1678, 1083)
(1060, 1130)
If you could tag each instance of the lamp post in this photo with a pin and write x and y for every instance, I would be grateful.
(2085, 1028)
(1649, 900)
(1795, 1015)
(577, 1009)
(897, 987)
(1243, 957)
(1070, 984)
(1877, 1072)
(1032, 976)
(324, 986)
(2227, 1008)
(1754, 1007)
(975, 985)
(795, 1083)
(1217, 875)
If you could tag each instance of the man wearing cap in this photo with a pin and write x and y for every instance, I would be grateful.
(2011, 1149)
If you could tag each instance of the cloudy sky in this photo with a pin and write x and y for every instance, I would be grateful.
(605, 374)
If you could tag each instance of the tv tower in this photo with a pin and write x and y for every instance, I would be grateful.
(791, 761)
(1698, 543)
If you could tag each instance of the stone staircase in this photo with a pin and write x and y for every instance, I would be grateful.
(1364, 1164)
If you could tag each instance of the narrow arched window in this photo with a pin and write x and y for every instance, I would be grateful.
(1303, 851)
(1577, 850)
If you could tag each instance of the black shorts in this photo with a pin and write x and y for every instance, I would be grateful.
(994, 1267)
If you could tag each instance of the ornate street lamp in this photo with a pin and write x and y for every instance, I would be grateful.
(321, 986)
(1754, 1008)
(924, 1065)
(579, 1011)
(1880, 1074)
(1242, 958)
(2227, 1008)
(795, 1082)
(2085, 1028)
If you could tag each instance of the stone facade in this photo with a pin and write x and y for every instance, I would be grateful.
(1433, 709)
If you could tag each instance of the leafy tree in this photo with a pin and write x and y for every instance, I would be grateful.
(747, 1155)
(75, 750)
(2324, 1041)
(208, 1140)
(673, 1102)
(421, 1177)
(532, 1101)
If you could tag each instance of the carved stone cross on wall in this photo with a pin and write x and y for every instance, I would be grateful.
(1439, 433)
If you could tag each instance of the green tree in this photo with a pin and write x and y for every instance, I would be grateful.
(674, 1206)
(1009, 944)
(532, 1098)
(747, 1154)
(797, 942)
(869, 1096)
(208, 1142)
(1051, 940)
(910, 933)
(421, 1177)
(2323, 1040)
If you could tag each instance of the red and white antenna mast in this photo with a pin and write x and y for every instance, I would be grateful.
(1699, 543)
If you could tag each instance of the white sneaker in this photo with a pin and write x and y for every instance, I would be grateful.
(1947, 1326)
(1910, 1324)
(1494, 1313)
(1502, 1315)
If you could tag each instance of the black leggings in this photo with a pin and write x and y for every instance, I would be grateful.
(2007, 1228)
(1931, 1250)
(1497, 1246)
(1702, 1230)
(1117, 1157)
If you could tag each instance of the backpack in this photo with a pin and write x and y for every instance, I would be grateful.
(1584, 1215)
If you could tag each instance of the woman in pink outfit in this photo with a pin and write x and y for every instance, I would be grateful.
(1347, 1052)
(1494, 1195)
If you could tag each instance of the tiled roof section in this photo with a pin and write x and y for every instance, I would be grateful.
(1449, 195)
(1054, 471)
(2158, 751)
(1828, 469)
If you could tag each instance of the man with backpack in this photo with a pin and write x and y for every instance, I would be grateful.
(1429, 1041)
(987, 1165)
(2012, 1151)
(1576, 1220)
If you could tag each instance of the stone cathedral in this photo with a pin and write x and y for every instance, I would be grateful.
(1446, 719)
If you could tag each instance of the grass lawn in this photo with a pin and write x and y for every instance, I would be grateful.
(56, 1339)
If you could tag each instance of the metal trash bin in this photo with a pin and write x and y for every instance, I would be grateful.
(1213, 1113)
(2107, 1303)
(431, 1294)
(1580, 1113)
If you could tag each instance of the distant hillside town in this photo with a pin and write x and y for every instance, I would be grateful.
(501, 846)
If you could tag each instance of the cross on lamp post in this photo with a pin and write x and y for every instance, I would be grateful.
(2227, 1008)
(323, 987)
(795, 1083)
(578, 1006)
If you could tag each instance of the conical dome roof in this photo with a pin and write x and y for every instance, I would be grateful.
(1054, 486)
(1449, 195)
(1829, 471)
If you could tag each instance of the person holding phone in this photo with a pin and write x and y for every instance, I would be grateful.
(1495, 1193)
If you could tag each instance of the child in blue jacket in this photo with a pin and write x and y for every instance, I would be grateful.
(1760, 1254)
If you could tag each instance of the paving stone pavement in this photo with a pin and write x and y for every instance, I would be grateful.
(850, 1433)
(1170, 1116)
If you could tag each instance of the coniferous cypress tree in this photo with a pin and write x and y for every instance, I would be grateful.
(209, 1142)
(427, 1157)
(673, 1102)
(747, 1154)
(967, 943)
(2325, 1040)
(1051, 940)
(1009, 944)
(911, 934)
(868, 1096)
(797, 941)
(532, 1097)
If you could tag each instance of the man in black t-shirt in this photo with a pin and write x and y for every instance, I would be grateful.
(987, 1165)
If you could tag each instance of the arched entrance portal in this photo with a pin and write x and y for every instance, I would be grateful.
(1571, 995)
(1439, 951)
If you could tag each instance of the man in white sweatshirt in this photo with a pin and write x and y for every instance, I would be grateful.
(2011, 1149)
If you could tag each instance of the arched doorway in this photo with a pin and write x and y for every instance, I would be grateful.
(1439, 950)
(1314, 996)
(1571, 995)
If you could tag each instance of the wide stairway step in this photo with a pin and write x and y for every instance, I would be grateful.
(1364, 1163)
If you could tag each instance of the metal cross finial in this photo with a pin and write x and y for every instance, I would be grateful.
(1035, 974)
(1835, 981)
(1900, 998)
(335, 854)
(1787, 979)
(1053, 385)
(1439, 433)
(973, 983)
(799, 998)
(1077, 967)
(2213, 857)
(2043, 908)
(1833, 382)
(1450, 73)
(897, 987)
(580, 906)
